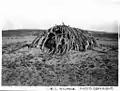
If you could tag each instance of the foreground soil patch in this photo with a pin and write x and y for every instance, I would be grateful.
(82, 69)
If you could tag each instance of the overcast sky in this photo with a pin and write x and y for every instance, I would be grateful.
(99, 15)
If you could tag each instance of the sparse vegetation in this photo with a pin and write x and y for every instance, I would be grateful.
(27, 68)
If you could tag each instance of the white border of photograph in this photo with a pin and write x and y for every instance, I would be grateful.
(10, 12)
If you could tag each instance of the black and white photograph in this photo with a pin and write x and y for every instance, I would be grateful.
(60, 43)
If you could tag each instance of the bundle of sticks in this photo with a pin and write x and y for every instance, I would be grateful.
(60, 39)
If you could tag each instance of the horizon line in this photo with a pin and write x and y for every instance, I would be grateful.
(89, 30)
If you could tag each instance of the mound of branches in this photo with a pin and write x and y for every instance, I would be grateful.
(60, 39)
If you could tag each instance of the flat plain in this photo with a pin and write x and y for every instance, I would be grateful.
(27, 68)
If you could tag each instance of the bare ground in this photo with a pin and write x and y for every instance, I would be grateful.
(28, 68)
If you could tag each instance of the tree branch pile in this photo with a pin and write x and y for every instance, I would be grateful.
(60, 39)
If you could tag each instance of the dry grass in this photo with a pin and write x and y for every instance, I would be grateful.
(27, 68)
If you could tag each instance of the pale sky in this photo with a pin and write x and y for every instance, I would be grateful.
(99, 15)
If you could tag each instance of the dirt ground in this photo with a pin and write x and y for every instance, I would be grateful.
(28, 68)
